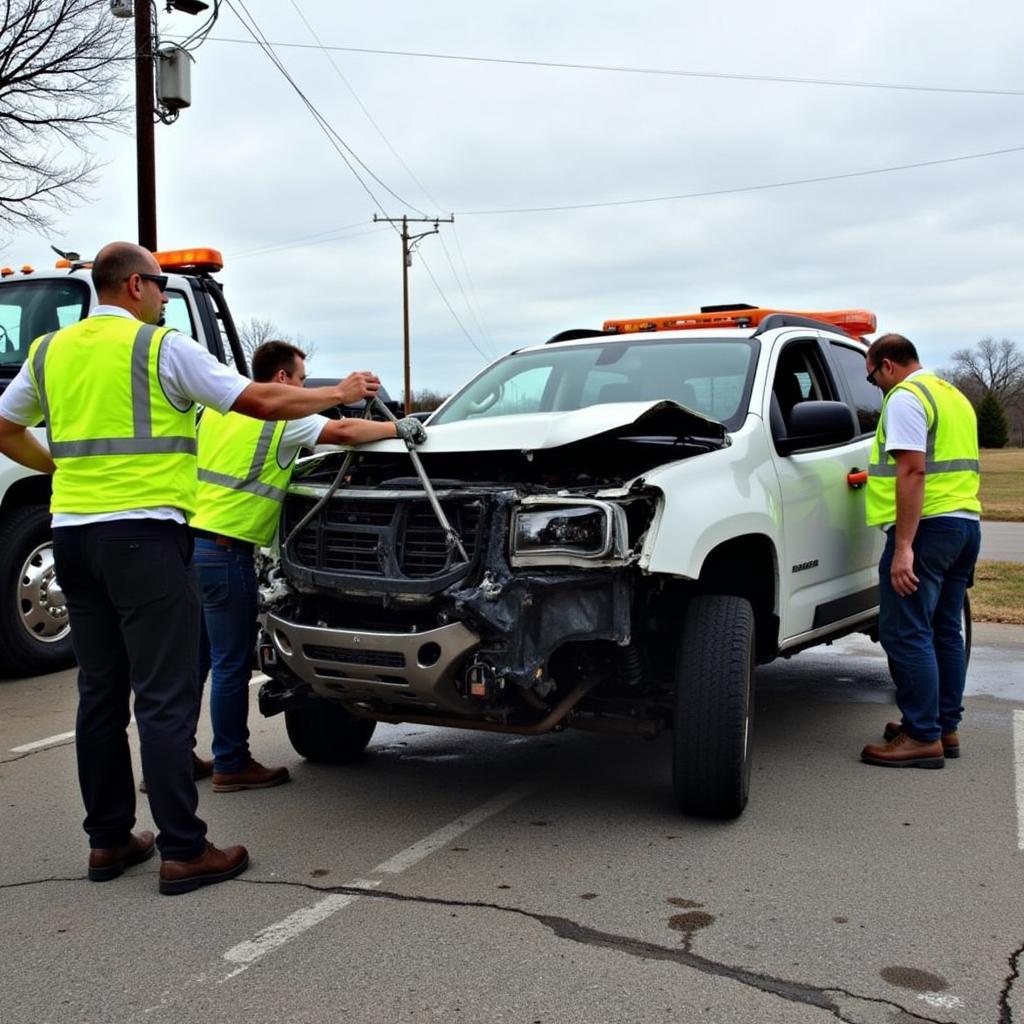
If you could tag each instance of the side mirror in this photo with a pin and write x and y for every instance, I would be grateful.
(817, 425)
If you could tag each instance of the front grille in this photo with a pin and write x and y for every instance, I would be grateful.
(355, 656)
(423, 550)
(381, 538)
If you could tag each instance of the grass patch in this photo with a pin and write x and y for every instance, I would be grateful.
(998, 592)
(1002, 484)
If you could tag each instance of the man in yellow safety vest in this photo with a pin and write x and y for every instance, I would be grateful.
(923, 491)
(117, 395)
(244, 470)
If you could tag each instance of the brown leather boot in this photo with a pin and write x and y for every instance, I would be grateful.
(209, 868)
(255, 776)
(105, 864)
(950, 740)
(904, 751)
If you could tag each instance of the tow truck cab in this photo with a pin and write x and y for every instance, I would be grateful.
(34, 631)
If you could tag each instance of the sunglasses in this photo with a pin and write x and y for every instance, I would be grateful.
(160, 280)
(870, 378)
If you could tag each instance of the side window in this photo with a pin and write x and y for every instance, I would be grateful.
(800, 376)
(867, 400)
(177, 314)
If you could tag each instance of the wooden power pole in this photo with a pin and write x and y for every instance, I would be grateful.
(409, 242)
(145, 154)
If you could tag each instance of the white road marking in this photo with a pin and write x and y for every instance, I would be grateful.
(1018, 753)
(941, 1002)
(245, 954)
(263, 942)
(259, 678)
(50, 741)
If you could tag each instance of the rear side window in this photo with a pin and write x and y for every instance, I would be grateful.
(177, 313)
(867, 399)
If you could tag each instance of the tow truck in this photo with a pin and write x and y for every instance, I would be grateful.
(34, 633)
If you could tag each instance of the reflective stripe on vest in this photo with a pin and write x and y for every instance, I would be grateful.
(241, 482)
(116, 438)
(951, 483)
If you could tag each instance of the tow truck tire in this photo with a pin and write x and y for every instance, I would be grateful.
(326, 733)
(35, 636)
(714, 707)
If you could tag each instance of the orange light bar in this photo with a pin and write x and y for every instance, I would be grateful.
(198, 260)
(856, 322)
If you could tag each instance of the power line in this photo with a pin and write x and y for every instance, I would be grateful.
(840, 83)
(338, 235)
(335, 139)
(458, 281)
(362, 107)
(485, 330)
(451, 310)
(742, 188)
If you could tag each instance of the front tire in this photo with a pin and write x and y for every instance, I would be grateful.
(326, 733)
(35, 633)
(714, 707)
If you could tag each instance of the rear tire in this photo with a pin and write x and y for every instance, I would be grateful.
(35, 634)
(326, 733)
(714, 707)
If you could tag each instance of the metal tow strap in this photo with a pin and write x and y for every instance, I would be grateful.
(452, 540)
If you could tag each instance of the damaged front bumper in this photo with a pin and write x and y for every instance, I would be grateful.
(361, 665)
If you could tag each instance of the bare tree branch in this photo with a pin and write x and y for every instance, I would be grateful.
(62, 70)
(256, 330)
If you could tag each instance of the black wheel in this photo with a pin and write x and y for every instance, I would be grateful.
(35, 635)
(325, 732)
(711, 740)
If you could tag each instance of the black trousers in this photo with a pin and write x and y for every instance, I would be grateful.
(134, 610)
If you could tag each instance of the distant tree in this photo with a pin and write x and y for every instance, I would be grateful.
(62, 63)
(990, 366)
(996, 367)
(426, 400)
(256, 330)
(993, 429)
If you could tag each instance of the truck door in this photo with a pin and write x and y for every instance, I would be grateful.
(828, 575)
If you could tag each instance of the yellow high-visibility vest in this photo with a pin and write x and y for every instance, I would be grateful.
(951, 456)
(241, 483)
(116, 438)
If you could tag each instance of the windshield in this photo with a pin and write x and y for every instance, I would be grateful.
(29, 309)
(711, 376)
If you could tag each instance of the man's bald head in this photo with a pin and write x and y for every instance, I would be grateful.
(116, 262)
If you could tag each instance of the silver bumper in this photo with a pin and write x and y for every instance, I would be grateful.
(415, 668)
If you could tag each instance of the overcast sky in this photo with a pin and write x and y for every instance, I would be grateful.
(936, 251)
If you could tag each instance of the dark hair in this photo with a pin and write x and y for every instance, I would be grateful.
(893, 347)
(115, 264)
(272, 356)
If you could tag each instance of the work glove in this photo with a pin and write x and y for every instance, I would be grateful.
(411, 430)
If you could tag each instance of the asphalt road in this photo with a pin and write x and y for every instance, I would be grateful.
(453, 876)
(1002, 542)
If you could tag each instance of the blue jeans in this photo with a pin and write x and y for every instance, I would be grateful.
(921, 633)
(227, 584)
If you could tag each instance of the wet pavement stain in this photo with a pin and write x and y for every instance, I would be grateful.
(588, 895)
(690, 922)
(679, 901)
(914, 979)
(841, 920)
(319, 872)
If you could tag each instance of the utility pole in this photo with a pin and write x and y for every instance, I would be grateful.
(409, 242)
(145, 155)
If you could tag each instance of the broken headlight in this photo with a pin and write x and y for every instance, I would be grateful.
(566, 531)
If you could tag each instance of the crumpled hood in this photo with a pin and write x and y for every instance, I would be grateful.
(532, 431)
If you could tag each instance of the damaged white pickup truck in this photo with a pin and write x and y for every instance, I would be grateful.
(607, 531)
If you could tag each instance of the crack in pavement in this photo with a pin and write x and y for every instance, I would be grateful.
(1005, 1010)
(844, 1005)
(44, 881)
